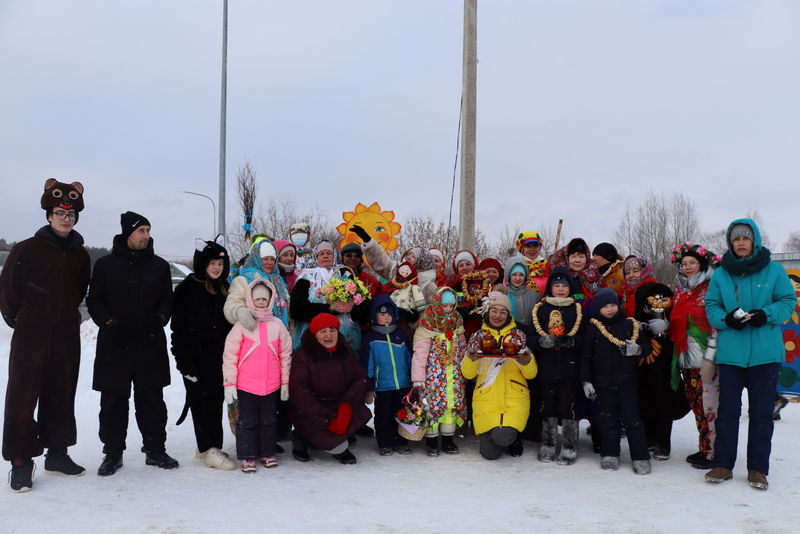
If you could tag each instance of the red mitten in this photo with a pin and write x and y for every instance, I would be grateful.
(343, 416)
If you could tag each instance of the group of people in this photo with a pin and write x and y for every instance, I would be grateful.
(298, 345)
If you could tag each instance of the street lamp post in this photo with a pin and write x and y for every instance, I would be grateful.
(213, 206)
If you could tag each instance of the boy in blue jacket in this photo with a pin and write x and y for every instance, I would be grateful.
(386, 354)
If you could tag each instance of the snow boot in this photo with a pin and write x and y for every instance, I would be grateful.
(569, 446)
(345, 457)
(432, 446)
(402, 449)
(609, 463)
(58, 462)
(642, 467)
(215, 459)
(161, 459)
(21, 477)
(660, 453)
(448, 446)
(516, 448)
(299, 448)
(385, 451)
(780, 404)
(110, 464)
(547, 450)
(699, 460)
(719, 474)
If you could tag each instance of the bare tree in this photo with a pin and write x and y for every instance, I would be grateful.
(756, 216)
(651, 229)
(714, 241)
(792, 243)
(427, 233)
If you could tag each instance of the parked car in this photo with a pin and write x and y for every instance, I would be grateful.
(179, 272)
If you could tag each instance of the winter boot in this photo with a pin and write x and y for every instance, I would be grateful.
(642, 467)
(58, 462)
(432, 446)
(757, 479)
(699, 460)
(516, 448)
(448, 446)
(345, 457)
(609, 463)
(780, 404)
(547, 450)
(299, 448)
(385, 451)
(569, 446)
(660, 453)
(110, 464)
(161, 459)
(215, 459)
(719, 474)
(21, 479)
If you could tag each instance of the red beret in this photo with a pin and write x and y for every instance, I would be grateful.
(323, 320)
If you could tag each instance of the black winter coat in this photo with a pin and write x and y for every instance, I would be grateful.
(602, 362)
(130, 299)
(199, 330)
(559, 362)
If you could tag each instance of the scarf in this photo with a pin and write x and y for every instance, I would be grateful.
(688, 306)
(385, 330)
(743, 266)
(262, 315)
(435, 320)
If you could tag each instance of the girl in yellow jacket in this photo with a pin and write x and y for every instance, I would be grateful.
(498, 356)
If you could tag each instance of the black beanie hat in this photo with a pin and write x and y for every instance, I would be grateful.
(604, 297)
(130, 221)
(607, 251)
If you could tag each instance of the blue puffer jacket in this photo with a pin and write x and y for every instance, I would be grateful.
(768, 289)
(386, 356)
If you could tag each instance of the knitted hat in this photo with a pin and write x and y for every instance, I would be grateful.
(436, 252)
(607, 251)
(281, 245)
(527, 237)
(448, 297)
(518, 268)
(605, 296)
(267, 250)
(463, 255)
(323, 320)
(558, 275)
(491, 262)
(261, 291)
(496, 298)
(739, 230)
(130, 221)
(60, 195)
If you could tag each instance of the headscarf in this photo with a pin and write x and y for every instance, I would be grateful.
(647, 270)
(436, 320)
(589, 277)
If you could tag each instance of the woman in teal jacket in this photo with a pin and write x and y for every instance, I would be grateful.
(748, 299)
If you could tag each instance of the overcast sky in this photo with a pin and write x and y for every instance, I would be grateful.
(583, 107)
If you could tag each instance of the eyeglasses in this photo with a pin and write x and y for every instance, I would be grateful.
(69, 215)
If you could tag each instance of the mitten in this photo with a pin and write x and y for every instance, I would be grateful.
(284, 392)
(757, 318)
(230, 394)
(360, 232)
(548, 341)
(707, 371)
(246, 318)
(342, 420)
(588, 390)
(370, 397)
(631, 349)
(657, 326)
(733, 322)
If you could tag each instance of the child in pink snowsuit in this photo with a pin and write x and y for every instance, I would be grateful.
(255, 369)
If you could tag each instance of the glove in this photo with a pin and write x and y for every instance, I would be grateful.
(524, 360)
(230, 394)
(565, 342)
(707, 371)
(588, 390)
(370, 397)
(246, 318)
(360, 232)
(657, 326)
(733, 322)
(342, 420)
(757, 318)
(190, 378)
(631, 349)
(284, 392)
(548, 341)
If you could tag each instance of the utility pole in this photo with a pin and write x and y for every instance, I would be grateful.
(466, 218)
(222, 120)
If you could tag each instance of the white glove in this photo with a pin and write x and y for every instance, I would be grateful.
(588, 390)
(548, 341)
(246, 318)
(631, 349)
(284, 392)
(230, 394)
(657, 326)
(707, 371)
(370, 397)
(190, 378)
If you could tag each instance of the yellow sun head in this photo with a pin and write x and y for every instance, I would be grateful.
(380, 225)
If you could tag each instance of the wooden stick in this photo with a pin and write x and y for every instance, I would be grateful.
(558, 235)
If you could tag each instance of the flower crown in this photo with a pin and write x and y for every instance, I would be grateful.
(680, 251)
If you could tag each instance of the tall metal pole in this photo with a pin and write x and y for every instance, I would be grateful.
(466, 219)
(222, 120)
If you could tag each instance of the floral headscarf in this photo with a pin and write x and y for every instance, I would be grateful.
(436, 320)
(647, 269)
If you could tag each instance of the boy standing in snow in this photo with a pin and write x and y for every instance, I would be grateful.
(255, 368)
(611, 348)
(386, 353)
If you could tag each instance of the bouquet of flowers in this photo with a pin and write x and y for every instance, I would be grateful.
(411, 420)
(341, 291)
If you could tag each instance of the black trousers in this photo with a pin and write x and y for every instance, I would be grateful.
(206, 403)
(257, 426)
(621, 402)
(558, 398)
(151, 417)
(387, 403)
(655, 401)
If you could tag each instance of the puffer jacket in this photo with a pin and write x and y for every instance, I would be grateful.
(768, 288)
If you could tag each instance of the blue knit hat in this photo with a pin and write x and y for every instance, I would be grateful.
(605, 296)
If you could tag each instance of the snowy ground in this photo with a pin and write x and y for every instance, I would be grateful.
(398, 494)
